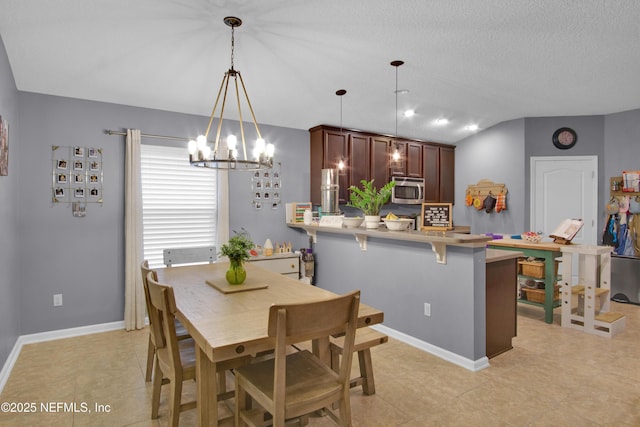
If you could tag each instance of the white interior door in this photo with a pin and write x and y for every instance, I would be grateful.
(561, 188)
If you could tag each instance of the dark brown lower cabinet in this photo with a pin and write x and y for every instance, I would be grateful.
(501, 297)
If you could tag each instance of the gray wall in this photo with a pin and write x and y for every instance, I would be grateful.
(293, 153)
(9, 288)
(398, 277)
(502, 154)
(82, 258)
(538, 142)
(621, 148)
(497, 154)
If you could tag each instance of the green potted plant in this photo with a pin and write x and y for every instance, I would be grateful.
(370, 200)
(237, 250)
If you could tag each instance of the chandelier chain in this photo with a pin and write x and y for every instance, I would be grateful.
(233, 43)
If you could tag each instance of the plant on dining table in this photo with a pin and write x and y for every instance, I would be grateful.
(237, 250)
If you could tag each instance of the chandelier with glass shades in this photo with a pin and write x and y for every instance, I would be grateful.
(226, 157)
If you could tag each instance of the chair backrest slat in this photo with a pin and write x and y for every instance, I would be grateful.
(157, 337)
(189, 255)
(314, 319)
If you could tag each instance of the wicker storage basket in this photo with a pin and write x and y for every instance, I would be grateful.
(531, 268)
(537, 295)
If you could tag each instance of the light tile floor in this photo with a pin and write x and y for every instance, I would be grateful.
(552, 377)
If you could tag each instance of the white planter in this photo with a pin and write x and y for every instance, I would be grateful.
(371, 221)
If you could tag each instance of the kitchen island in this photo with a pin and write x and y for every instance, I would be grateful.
(433, 302)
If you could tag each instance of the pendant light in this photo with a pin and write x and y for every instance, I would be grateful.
(341, 163)
(396, 153)
(200, 154)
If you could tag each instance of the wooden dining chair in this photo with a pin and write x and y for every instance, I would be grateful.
(295, 384)
(181, 331)
(176, 359)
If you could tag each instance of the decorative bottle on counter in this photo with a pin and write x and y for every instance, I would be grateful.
(308, 217)
(268, 248)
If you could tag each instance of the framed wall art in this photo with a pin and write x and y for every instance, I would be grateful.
(76, 175)
(265, 187)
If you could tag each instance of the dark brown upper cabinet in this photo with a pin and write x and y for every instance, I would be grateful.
(438, 169)
(368, 156)
(379, 146)
(328, 146)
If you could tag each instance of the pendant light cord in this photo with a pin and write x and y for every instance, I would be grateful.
(396, 108)
(340, 114)
(396, 64)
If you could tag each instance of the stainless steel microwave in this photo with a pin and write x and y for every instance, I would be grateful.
(407, 191)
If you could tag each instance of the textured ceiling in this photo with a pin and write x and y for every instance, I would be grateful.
(469, 61)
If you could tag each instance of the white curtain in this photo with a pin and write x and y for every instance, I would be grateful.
(134, 304)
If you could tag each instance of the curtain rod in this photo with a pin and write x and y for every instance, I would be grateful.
(145, 135)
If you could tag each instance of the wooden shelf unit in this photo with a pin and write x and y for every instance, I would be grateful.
(620, 193)
(585, 305)
(545, 250)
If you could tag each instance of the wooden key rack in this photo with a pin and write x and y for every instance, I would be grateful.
(486, 187)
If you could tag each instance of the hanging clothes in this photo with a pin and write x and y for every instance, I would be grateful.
(610, 233)
(633, 231)
(622, 238)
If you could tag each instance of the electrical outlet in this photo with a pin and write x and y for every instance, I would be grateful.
(57, 300)
(427, 309)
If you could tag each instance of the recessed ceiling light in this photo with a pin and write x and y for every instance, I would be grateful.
(472, 128)
(409, 113)
(441, 122)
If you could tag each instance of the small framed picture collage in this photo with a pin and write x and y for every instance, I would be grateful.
(265, 187)
(76, 174)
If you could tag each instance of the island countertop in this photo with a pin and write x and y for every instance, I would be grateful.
(450, 237)
(495, 255)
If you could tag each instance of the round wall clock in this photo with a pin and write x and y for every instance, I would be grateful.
(564, 138)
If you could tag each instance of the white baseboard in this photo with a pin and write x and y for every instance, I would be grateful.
(472, 365)
(48, 336)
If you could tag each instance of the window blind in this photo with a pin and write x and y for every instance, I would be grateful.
(179, 202)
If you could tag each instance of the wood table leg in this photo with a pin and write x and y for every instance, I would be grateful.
(207, 390)
(322, 350)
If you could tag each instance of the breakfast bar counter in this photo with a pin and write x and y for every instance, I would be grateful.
(438, 240)
(456, 236)
(433, 302)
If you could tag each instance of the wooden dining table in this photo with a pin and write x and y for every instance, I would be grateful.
(228, 322)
